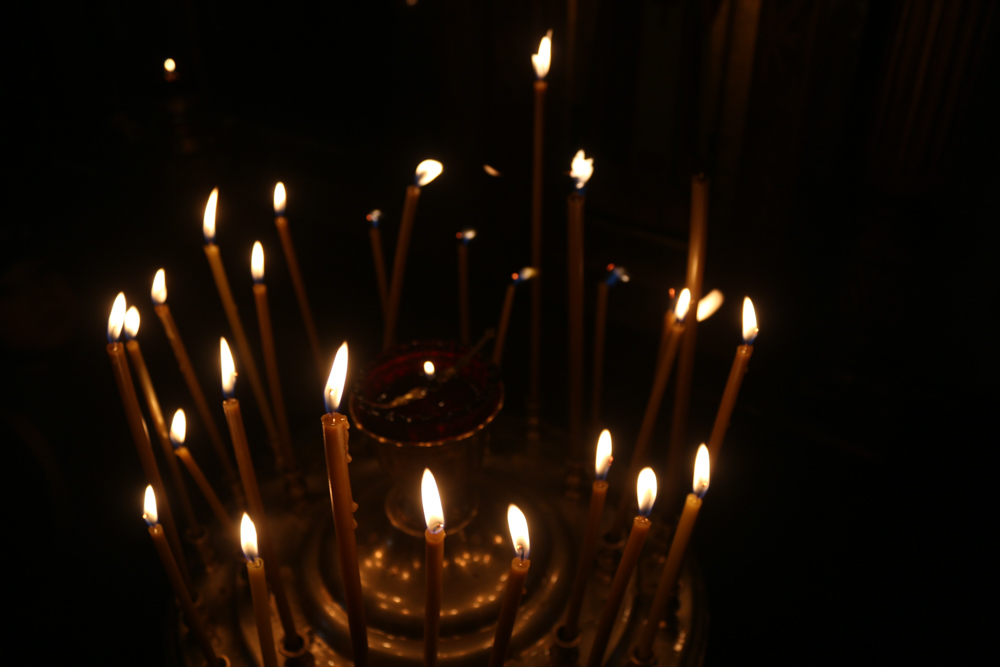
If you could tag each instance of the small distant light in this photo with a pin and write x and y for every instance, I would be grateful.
(169, 65)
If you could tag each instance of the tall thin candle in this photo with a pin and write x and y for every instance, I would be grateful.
(335, 439)
(257, 576)
(736, 373)
(527, 273)
(463, 237)
(229, 306)
(433, 564)
(255, 504)
(379, 258)
(516, 577)
(427, 171)
(281, 222)
(582, 169)
(540, 61)
(178, 433)
(616, 274)
(646, 489)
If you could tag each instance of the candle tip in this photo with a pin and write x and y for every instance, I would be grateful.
(750, 329)
(208, 221)
(491, 171)
(683, 304)
(645, 488)
(617, 274)
(131, 322)
(117, 318)
(159, 289)
(149, 506)
(178, 428)
(527, 273)
(248, 538)
(257, 262)
(334, 391)
(466, 235)
(431, 500)
(582, 169)
(228, 369)
(541, 60)
(702, 466)
(604, 458)
(518, 531)
(708, 304)
(427, 171)
(374, 217)
(279, 198)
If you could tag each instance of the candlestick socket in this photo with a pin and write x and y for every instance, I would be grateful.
(565, 651)
(298, 655)
(635, 659)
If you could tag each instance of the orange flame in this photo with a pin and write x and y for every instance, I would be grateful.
(159, 290)
(645, 488)
(431, 500)
(518, 531)
(604, 457)
(248, 538)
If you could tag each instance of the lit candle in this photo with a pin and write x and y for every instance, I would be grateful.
(429, 370)
(616, 274)
(527, 273)
(582, 169)
(234, 418)
(588, 549)
(335, 439)
(181, 590)
(281, 222)
(178, 432)
(257, 576)
(376, 238)
(672, 568)
(515, 585)
(433, 563)
(646, 490)
(159, 295)
(427, 171)
(170, 69)
(673, 330)
(119, 365)
(226, 295)
(540, 61)
(292, 472)
(463, 283)
(736, 373)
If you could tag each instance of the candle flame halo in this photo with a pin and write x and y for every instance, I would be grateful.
(683, 304)
(178, 428)
(228, 368)
(518, 531)
(604, 457)
(702, 466)
(131, 322)
(149, 506)
(208, 222)
(645, 489)
(159, 290)
(431, 499)
(257, 262)
(248, 538)
(279, 198)
(541, 60)
(117, 318)
(334, 391)
(749, 321)
(427, 171)
(708, 304)
(581, 169)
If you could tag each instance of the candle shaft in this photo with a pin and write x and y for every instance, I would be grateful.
(273, 379)
(257, 575)
(588, 550)
(194, 620)
(673, 333)
(119, 364)
(534, 378)
(379, 257)
(335, 444)
(399, 264)
(281, 222)
(434, 564)
(187, 370)
(668, 578)
(243, 345)
(508, 610)
(234, 419)
(153, 404)
(736, 373)
(574, 251)
(640, 529)
(685, 369)
(600, 318)
(463, 293)
(206, 489)
(508, 304)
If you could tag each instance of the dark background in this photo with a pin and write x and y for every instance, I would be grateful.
(852, 151)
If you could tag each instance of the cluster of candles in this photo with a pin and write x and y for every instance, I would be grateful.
(255, 538)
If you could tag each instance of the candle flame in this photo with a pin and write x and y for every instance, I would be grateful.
(518, 531)
(131, 322)
(248, 538)
(159, 290)
(279, 198)
(178, 428)
(645, 488)
(582, 169)
(431, 499)
(117, 318)
(604, 457)
(335, 383)
(374, 217)
(257, 262)
(466, 235)
(429, 369)
(169, 65)
(541, 60)
(228, 369)
(749, 321)
(702, 466)
(708, 304)
(208, 222)
(149, 506)
(617, 274)
(491, 171)
(683, 304)
(527, 273)
(427, 171)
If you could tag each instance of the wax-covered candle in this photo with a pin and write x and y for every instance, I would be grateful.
(257, 577)
(516, 577)
(433, 564)
(740, 363)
